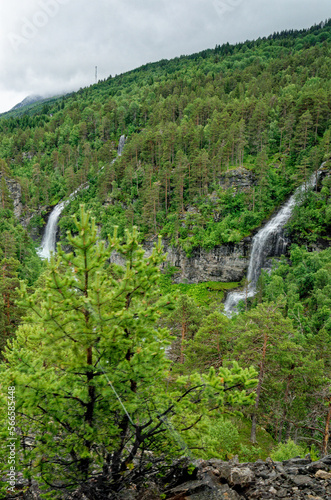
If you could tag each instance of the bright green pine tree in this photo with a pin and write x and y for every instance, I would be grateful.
(265, 339)
(210, 342)
(183, 323)
(9, 312)
(91, 373)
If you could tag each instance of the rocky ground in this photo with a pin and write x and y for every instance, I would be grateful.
(296, 479)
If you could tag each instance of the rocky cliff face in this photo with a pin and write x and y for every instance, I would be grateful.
(221, 263)
(227, 263)
(24, 217)
(15, 191)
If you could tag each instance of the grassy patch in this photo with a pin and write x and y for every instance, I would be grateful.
(203, 293)
(248, 451)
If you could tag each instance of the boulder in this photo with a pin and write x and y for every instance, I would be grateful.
(241, 179)
(242, 477)
(322, 474)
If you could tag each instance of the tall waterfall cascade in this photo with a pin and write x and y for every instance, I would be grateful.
(270, 234)
(49, 238)
(121, 145)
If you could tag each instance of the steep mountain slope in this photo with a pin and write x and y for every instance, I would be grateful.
(216, 142)
(262, 105)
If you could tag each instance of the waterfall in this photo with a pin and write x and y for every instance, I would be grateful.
(121, 145)
(49, 237)
(269, 237)
(48, 241)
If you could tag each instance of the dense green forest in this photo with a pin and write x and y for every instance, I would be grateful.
(262, 104)
(117, 370)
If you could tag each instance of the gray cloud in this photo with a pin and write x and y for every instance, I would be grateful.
(50, 46)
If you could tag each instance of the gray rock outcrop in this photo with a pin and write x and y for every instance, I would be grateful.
(15, 192)
(222, 263)
(239, 178)
(227, 263)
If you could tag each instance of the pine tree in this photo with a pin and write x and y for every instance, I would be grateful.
(264, 338)
(304, 131)
(184, 322)
(210, 342)
(5, 198)
(91, 372)
(9, 312)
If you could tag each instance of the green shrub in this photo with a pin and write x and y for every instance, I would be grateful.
(285, 451)
(249, 453)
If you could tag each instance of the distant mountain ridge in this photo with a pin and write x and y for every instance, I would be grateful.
(32, 104)
(30, 99)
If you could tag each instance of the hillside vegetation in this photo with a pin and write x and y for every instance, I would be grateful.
(264, 105)
(117, 370)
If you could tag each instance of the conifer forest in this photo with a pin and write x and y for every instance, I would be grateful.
(185, 309)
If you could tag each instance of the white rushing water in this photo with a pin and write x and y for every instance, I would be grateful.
(270, 234)
(48, 243)
(49, 238)
(121, 145)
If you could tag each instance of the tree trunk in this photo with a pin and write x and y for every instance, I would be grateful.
(253, 429)
(182, 344)
(89, 412)
(166, 194)
(287, 390)
(258, 390)
(288, 431)
(326, 434)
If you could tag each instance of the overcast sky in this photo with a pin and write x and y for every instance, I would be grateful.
(53, 46)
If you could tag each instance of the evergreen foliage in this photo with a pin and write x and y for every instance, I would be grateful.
(94, 391)
(263, 105)
(104, 392)
(18, 260)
